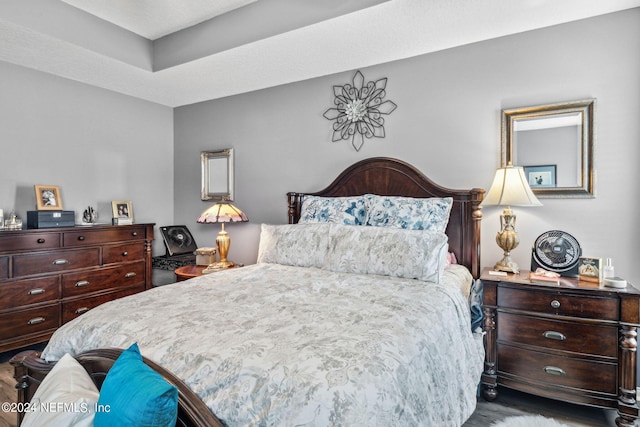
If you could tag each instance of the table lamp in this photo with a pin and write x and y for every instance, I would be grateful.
(220, 213)
(509, 188)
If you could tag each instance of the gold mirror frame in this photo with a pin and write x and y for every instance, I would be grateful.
(217, 175)
(582, 113)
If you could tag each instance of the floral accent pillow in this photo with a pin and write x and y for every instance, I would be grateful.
(302, 245)
(411, 254)
(338, 210)
(431, 214)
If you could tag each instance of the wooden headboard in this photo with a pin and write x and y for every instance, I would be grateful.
(392, 177)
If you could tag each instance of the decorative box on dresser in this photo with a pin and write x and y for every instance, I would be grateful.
(574, 341)
(51, 276)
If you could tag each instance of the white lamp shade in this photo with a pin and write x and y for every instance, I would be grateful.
(222, 212)
(510, 188)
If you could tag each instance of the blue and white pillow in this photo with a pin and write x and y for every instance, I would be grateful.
(337, 210)
(430, 214)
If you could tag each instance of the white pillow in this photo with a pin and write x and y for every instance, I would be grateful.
(412, 254)
(302, 245)
(66, 397)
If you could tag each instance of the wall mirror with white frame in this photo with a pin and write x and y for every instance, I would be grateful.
(555, 145)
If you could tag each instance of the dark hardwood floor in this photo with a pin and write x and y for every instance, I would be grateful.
(509, 403)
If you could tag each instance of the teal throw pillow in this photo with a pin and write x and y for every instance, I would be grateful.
(133, 394)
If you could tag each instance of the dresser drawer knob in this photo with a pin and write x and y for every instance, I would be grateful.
(82, 310)
(81, 238)
(134, 233)
(82, 283)
(553, 335)
(36, 291)
(125, 253)
(554, 370)
(40, 240)
(555, 303)
(60, 262)
(36, 320)
(130, 274)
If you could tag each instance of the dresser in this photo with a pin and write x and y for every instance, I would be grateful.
(51, 276)
(574, 341)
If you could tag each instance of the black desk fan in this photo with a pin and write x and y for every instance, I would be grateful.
(556, 251)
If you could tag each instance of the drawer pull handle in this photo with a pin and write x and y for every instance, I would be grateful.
(36, 291)
(41, 240)
(82, 283)
(81, 238)
(82, 310)
(554, 370)
(60, 262)
(553, 335)
(555, 303)
(130, 274)
(125, 253)
(134, 234)
(36, 320)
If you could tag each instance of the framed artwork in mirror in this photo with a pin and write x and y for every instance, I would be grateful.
(217, 175)
(556, 140)
(48, 198)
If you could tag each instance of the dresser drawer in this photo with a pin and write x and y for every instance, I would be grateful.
(83, 282)
(558, 370)
(18, 293)
(122, 253)
(28, 241)
(51, 262)
(91, 237)
(4, 267)
(73, 309)
(596, 340)
(565, 304)
(25, 322)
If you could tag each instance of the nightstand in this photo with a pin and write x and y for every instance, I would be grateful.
(575, 341)
(190, 271)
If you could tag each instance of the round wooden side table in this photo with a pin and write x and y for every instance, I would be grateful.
(190, 271)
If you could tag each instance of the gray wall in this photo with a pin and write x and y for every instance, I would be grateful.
(447, 124)
(97, 145)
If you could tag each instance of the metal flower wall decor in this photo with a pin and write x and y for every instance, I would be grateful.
(359, 109)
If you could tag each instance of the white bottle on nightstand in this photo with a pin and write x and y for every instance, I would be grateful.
(607, 270)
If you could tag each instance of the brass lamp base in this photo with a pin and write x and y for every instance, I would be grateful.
(217, 266)
(508, 240)
(223, 241)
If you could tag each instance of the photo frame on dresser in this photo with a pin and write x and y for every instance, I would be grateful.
(122, 212)
(48, 198)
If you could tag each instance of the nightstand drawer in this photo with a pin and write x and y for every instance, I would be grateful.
(563, 304)
(558, 370)
(595, 340)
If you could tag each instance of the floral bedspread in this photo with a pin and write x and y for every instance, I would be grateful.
(273, 345)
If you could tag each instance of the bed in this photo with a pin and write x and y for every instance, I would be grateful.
(337, 324)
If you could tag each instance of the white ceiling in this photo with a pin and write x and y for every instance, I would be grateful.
(388, 31)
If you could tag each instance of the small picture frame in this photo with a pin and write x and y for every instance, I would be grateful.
(48, 198)
(122, 212)
(541, 176)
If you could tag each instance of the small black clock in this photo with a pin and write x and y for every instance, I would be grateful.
(556, 251)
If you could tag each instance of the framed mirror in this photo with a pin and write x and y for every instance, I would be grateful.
(217, 175)
(555, 146)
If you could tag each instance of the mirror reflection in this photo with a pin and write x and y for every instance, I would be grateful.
(554, 145)
(217, 175)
